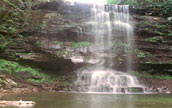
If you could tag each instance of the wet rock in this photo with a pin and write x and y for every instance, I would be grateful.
(36, 77)
(139, 11)
(56, 89)
(54, 6)
(23, 75)
(7, 82)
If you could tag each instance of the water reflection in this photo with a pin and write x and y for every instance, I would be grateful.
(105, 101)
(78, 100)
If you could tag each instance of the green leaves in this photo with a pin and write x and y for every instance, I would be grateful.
(9, 3)
(80, 44)
(11, 30)
(44, 25)
(113, 1)
(167, 4)
(155, 39)
(158, 32)
(13, 68)
(162, 26)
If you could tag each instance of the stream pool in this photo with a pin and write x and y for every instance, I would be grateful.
(82, 100)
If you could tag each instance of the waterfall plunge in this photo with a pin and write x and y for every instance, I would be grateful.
(99, 79)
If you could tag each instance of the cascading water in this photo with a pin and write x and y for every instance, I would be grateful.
(106, 26)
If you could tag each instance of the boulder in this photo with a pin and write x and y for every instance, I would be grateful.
(7, 82)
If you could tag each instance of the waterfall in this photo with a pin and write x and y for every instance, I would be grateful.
(101, 78)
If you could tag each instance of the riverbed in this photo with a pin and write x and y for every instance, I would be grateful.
(85, 100)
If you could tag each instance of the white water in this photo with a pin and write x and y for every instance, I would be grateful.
(98, 78)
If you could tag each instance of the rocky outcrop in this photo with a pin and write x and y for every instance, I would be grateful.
(151, 46)
(52, 45)
(7, 82)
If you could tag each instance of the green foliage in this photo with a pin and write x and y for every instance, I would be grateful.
(158, 32)
(67, 83)
(156, 39)
(113, 1)
(139, 53)
(4, 42)
(2, 38)
(41, 44)
(146, 23)
(120, 47)
(11, 30)
(80, 45)
(161, 26)
(147, 75)
(130, 2)
(44, 25)
(24, 53)
(9, 3)
(123, 48)
(169, 34)
(55, 42)
(61, 44)
(119, 59)
(166, 4)
(149, 61)
(13, 68)
(63, 53)
(59, 28)
(10, 21)
(167, 7)
(124, 2)
(1, 81)
(20, 36)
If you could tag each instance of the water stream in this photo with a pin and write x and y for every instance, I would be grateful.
(81, 100)
(101, 78)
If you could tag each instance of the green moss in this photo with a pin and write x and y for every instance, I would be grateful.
(147, 75)
(162, 26)
(13, 68)
(1, 81)
(80, 44)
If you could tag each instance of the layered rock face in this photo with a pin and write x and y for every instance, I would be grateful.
(60, 43)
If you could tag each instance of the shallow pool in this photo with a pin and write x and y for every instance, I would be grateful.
(81, 100)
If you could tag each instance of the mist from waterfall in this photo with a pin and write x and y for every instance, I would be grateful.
(106, 26)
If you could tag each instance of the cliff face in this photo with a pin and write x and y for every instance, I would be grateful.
(153, 45)
(53, 34)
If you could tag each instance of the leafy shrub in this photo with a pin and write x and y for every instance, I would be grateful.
(156, 39)
(11, 30)
(13, 67)
(161, 26)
